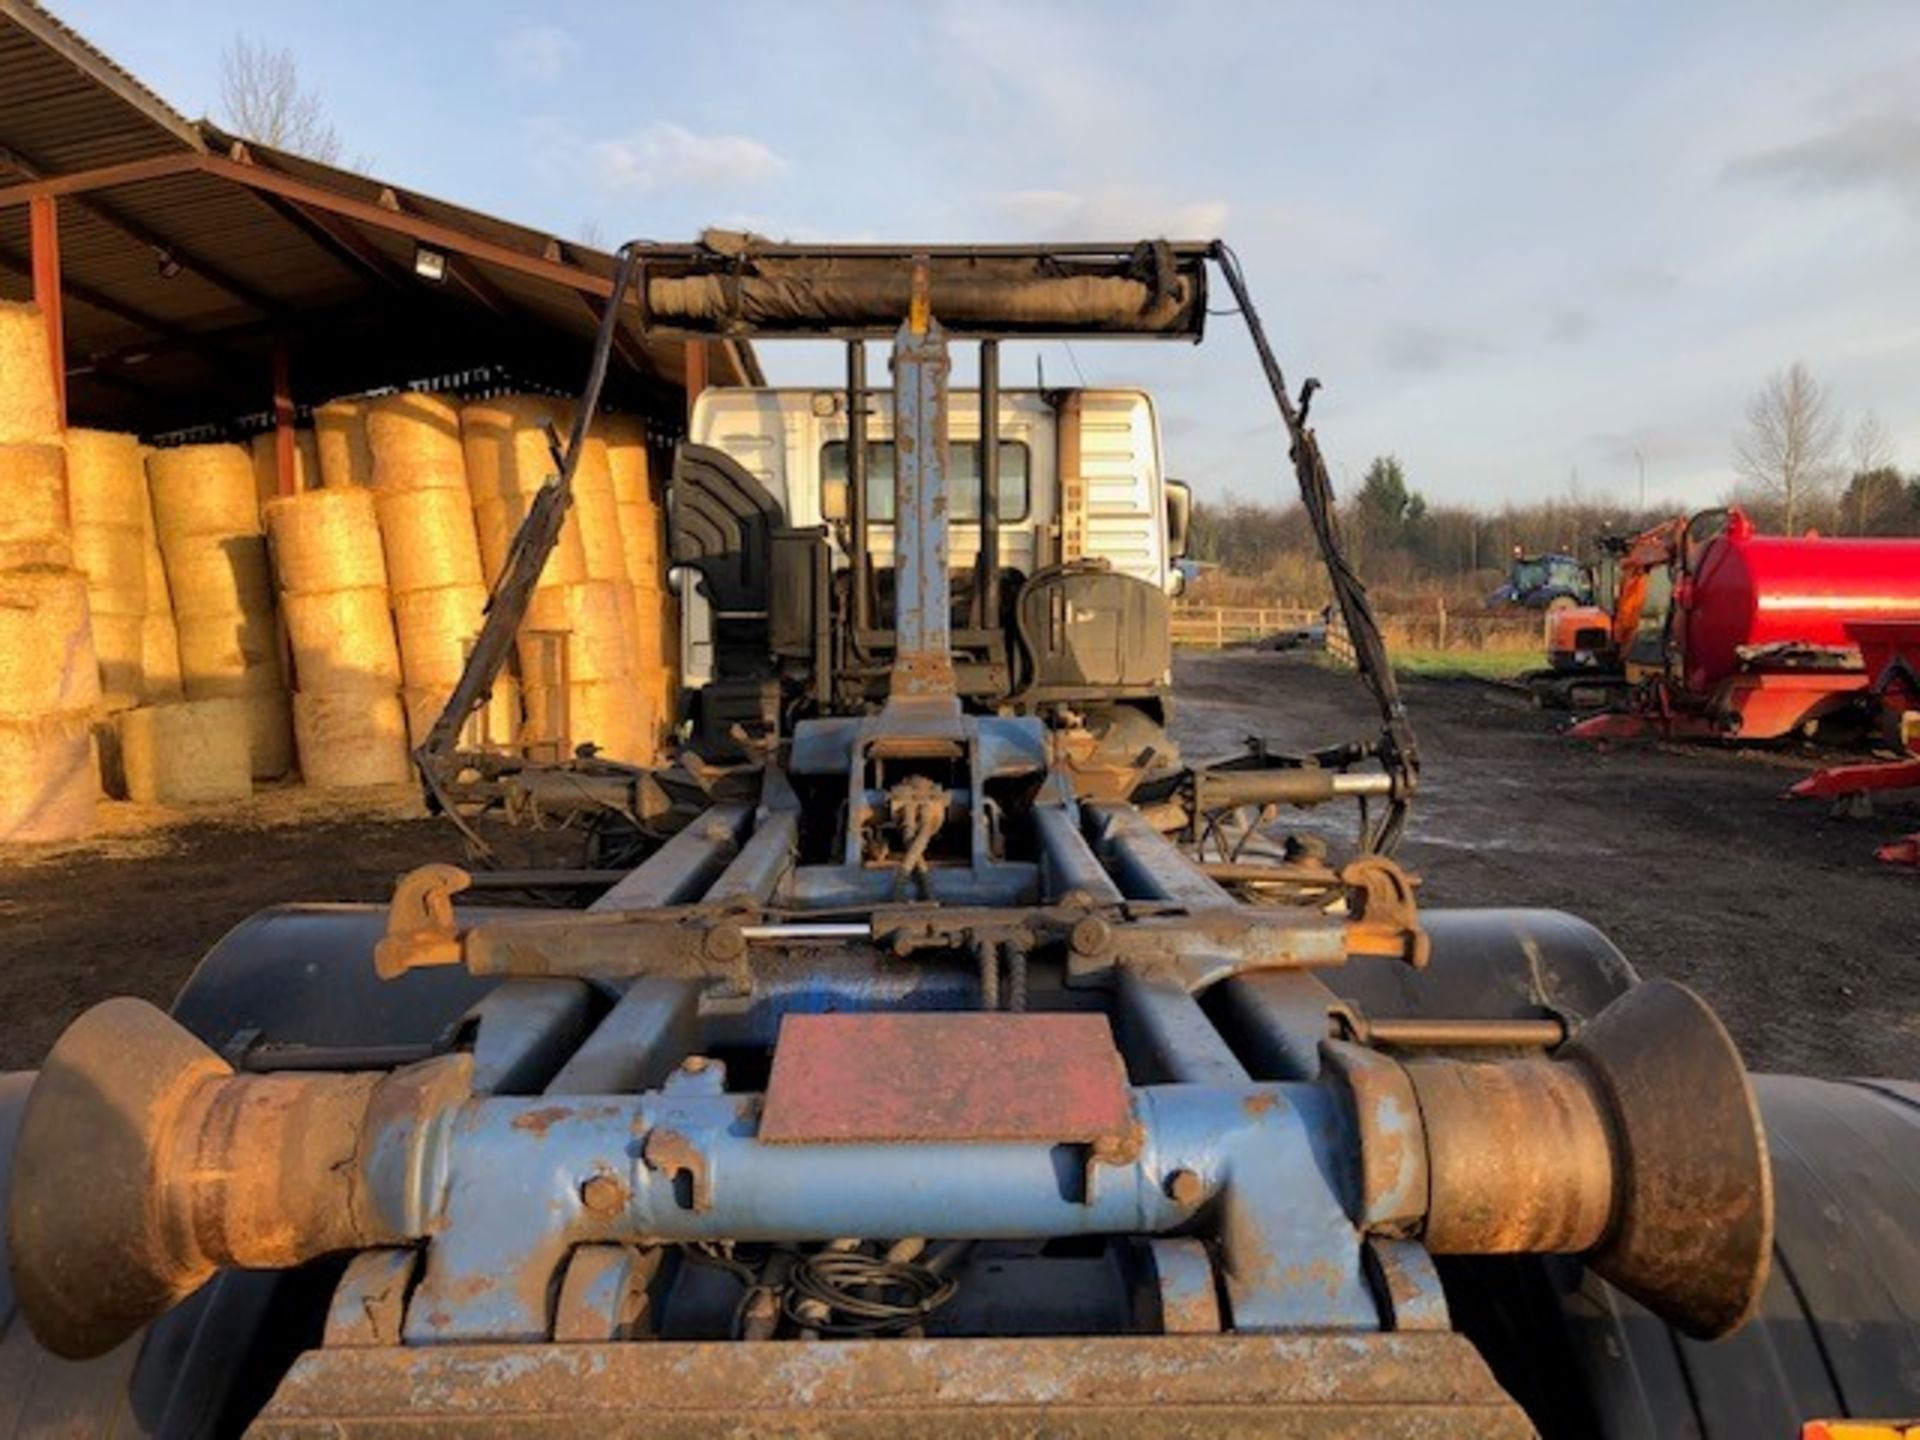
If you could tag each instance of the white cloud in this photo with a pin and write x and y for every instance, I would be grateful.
(666, 156)
(537, 53)
(1108, 214)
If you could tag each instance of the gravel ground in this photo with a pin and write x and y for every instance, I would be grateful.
(1687, 858)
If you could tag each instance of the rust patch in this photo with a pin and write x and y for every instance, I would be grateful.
(1261, 1103)
(538, 1122)
(674, 1155)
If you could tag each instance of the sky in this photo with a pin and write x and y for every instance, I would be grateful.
(1530, 248)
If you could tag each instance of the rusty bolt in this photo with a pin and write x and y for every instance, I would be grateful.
(1186, 1189)
(1089, 937)
(603, 1195)
(695, 1064)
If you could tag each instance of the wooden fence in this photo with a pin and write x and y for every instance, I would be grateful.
(1210, 627)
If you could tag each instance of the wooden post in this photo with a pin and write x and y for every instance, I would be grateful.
(44, 229)
(1219, 628)
(696, 370)
(1443, 622)
(283, 453)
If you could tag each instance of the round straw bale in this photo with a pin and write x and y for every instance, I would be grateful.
(656, 629)
(342, 640)
(436, 628)
(497, 726)
(505, 443)
(114, 560)
(601, 544)
(202, 490)
(119, 643)
(160, 657)
(29, 413)
(228, 655)
(47, 659)
(626, 441)
(265, 451)
(611, 715)
(498, 521)
(595, 470)
(347, 741)
(159, 594)
(269, 733)
(642, 533)
(326, 540)
(415, 441)
(106, 479)
(190, 753)
(33, 493)
(340, 434)
(49, 780)
(599, 646)
(218, 575)
(429, 539)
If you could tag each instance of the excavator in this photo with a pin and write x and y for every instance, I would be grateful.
(934, 1054)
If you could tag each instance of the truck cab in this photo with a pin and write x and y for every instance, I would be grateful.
(1082, 493)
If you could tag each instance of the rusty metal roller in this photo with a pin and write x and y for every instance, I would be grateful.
(1638, 1146)
(186, 1167)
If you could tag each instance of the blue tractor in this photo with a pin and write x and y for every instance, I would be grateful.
(1554, 581)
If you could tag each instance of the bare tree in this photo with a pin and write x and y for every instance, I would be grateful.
(1870, 447)
(262, 98)
(1789, 448)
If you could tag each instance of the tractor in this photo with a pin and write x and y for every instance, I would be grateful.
(929, 1046)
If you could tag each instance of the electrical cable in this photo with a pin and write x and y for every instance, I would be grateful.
(864, 1295)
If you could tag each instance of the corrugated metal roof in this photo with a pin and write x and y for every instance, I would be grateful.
(176, 286)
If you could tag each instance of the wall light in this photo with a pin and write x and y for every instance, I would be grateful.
(429, 265)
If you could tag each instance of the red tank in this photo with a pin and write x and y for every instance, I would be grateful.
(1750, 589)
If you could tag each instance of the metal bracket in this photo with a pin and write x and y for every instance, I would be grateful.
(420, 925)
(1383, 919)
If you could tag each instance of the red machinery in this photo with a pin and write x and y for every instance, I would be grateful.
(1890, 650)
(1758, 642)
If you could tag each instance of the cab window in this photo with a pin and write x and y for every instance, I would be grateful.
(963, 479)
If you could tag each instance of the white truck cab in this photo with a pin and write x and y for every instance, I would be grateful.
(1081, 478)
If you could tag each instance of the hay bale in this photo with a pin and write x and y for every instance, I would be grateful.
(435, 629)
(114, 560)
(228, 655)
(603, 548)
(340, 436)
(349, 741)
(504, 440)
(47, 660)
(33, 495)
(159, 592)
(120, 647)
(326, 540)
(160, 658)
(264, 450)
(29, 412)
(429, 539)
(192, 753)
(342, 641)
(627, 461)
(202, 490)
(415, 442)
(611, 715)
(643, 534)
(497, 521)
(269, 733)
(106, 479)
(593, 617)
(209, 574)
(49, 781)
(496, 727)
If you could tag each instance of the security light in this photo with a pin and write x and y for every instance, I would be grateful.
(429, 265)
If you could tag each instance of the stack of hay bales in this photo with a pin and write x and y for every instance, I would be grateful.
(207, 522)
(49, 676)
(265, 449)
(112, 530)
(579, 643)
(643, 538)
(433, 559)
(347, 718)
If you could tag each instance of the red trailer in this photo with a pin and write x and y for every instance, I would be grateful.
(1890, 650)
(1758, 642)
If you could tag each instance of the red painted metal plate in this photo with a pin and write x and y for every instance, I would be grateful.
(974, 1077)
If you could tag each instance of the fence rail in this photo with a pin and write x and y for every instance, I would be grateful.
(1215, 626)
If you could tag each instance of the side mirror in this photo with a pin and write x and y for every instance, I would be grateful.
(836, 499)
(1179, 518)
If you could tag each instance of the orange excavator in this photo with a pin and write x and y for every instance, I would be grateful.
(1594, 652)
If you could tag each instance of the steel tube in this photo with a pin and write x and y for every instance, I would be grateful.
(1067, 862)
(857, 483)
(988, 607)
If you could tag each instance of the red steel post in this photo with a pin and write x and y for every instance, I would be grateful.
(44, 228)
